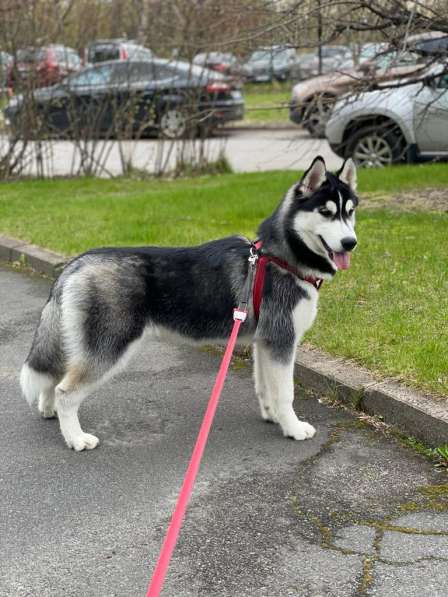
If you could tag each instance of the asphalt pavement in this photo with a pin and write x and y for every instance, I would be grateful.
(246, 149)
(349, 513)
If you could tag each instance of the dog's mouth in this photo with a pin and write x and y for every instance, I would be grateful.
(341, 260)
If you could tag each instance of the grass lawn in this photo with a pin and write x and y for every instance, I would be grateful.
(267, 103)
(388, 312)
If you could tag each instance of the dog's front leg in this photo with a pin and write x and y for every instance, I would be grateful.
(279, 376)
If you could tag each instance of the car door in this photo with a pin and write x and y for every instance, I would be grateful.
(132, 81)
(90, 100)
(431, 116)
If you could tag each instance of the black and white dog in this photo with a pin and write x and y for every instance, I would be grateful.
(105, 299)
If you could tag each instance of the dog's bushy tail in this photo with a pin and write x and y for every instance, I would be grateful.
(43, 368)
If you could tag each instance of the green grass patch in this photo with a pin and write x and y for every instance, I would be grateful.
(388, 312)
(267, 103)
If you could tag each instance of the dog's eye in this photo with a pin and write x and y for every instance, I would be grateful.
(325, 212)
(350, 212)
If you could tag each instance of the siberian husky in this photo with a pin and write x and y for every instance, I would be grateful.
(106, 298)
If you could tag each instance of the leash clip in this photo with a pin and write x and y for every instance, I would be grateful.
(253, 255)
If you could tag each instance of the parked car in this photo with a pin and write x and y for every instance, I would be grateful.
(38, 67)
(389, 126)
(129, 98)
(430, 43)
(332, 57)
(275, 62)
(312, 100)
(104, 50)
(222, 62)
(368, 51)
(5, 62)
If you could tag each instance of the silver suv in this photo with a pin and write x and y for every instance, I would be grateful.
(388, 126)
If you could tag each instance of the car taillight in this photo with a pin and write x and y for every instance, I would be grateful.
(220, 67)
(49, 62)
(123, 54)
(218, 87)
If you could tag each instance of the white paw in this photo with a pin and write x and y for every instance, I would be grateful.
(86, 441)
(298, 430)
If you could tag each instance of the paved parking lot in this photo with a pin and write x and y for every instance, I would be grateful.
(348, 513)
(248, 150)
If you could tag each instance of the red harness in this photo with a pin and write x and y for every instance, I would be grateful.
(260, 274)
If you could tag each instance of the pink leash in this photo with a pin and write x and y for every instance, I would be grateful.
(239, 317)
(172, 535)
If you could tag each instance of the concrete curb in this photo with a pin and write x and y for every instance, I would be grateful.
(41, 260)
(413, 412)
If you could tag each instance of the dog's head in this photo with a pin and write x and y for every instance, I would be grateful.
(321, 218)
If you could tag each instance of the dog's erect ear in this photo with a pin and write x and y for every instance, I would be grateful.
(313, 177)
(347, 174)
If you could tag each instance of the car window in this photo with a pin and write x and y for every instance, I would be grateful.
(433, 46)
(165, 71)
(330, 52)
(260, 55)
(126, 73)
(92, 77)
(103, 53)
(442, 82)
(392, 59)
(29, 55)
(61, 55)
(74, 60)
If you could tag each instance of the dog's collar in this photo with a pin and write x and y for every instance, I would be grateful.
(262, 261)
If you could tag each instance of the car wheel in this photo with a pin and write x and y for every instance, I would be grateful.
(372, 147)
(317, 113)
(173, 124)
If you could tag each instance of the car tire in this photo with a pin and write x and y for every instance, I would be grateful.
(374, 147)
(316, 115)
(173, 124)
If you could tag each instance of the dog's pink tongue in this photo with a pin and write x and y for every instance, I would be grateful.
(342, 260)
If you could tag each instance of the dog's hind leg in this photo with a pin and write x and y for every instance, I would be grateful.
(70, 393)
(279, 376)
(261, 390)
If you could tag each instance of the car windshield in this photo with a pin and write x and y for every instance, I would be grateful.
(260, 55)
(214, 58)
(392, 59)
(278, 55)
(31, 55)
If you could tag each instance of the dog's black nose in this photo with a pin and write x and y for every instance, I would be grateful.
(349, 243)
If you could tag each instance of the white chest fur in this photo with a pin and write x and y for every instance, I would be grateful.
(305, 312)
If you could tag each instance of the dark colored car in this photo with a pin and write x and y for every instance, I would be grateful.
(131, 98)
(430, 43)
(275, 62)
(222, 62)
(41, 67)
(104, 50)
